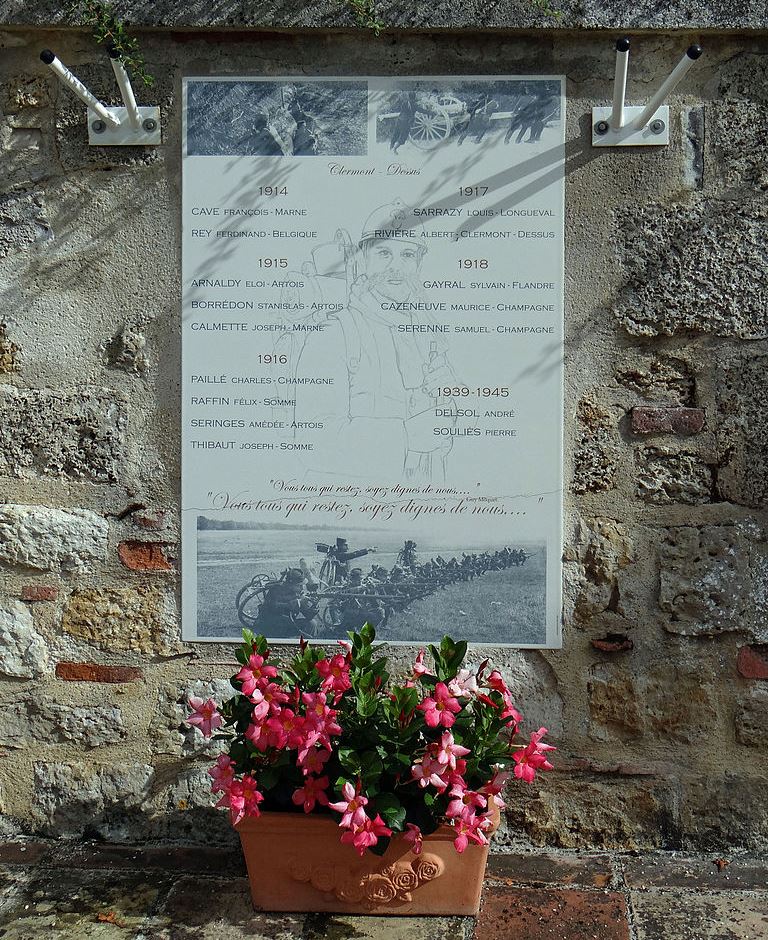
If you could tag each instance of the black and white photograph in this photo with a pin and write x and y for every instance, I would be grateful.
(424, 115)
(289, 581)
(277, 119)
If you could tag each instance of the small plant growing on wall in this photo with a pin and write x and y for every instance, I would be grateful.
(110, 30)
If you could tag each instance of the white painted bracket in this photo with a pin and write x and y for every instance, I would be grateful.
(125, 134)
(646, 126)
(130, 125)
(654, 134)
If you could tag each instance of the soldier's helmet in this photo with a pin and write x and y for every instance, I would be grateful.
(395, 220)
(294, 576)
(342, 544)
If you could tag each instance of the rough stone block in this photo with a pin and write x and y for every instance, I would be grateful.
(70, 799)
(126, 350)
(614, 707)
(39, 592)
(596, 458)
(648, 420)
(603, 548)
(742, 434)
(728, 810)
(683, 915)
(666, 477)
(711, 580)
(667, 701)
(752, 718)
(578, 811)
(143, 556)
(9, 352)
(697, 267)
(23, 652)
(78, 435)
(738, 125)
(140, 618)
(168, 730)
(752, 661)
(663, 379)
(93, 672)
(68, 540)
(33, 721)
(23, 222)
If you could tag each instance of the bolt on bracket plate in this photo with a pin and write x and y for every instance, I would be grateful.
(654, 134)
(104, 135)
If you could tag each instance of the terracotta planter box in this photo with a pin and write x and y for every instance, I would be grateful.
(297, 863)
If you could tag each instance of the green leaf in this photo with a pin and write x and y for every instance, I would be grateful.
(350, 760)
(391, 810)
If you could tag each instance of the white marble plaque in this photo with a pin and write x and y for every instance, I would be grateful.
(373, 358)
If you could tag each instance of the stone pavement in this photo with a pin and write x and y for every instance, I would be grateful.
(111, 892)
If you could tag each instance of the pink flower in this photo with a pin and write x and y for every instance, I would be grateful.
(312, 759)
(222, 774)
(470, 828)
(205, 716)
(351, 806)
(419, 669)
(335, 674)
(496, 682)
(255, 673)
(258, 735)
(531, 758)
(464, 799)
(312, 792)
(286, 729)
(320, 717)
(447, 751)
(244, 799)
(495, 785)
(414, 836)
(440, 708)
(429, 770)
(464, 684)
(366, 834)
(267, 699)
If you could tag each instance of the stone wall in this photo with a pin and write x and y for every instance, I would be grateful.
(658, 700)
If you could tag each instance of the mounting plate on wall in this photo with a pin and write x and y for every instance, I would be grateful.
(654, 134)
(143, 132)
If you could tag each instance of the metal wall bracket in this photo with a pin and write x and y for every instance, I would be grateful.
(125, 134)
(130, 125)
(638, 126)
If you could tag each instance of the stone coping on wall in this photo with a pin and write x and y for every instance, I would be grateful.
(413, 15)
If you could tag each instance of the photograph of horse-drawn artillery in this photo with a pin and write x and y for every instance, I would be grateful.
(425, 116)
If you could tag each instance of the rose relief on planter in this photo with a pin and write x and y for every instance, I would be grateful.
(408, 776)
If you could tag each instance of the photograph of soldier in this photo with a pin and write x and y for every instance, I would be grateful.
(531, 119)
(378, 412)
(335, 569)
(406, 105)
(277, 119)
(479, 120)
(286, 610)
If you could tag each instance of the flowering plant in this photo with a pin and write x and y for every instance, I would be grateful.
(331, 734)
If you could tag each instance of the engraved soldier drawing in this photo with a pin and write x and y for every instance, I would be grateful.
(388, 360)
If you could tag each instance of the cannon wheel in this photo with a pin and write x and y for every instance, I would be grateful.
(430, 129)
(249, 598)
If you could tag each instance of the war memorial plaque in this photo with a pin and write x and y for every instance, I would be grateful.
(372, 358)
